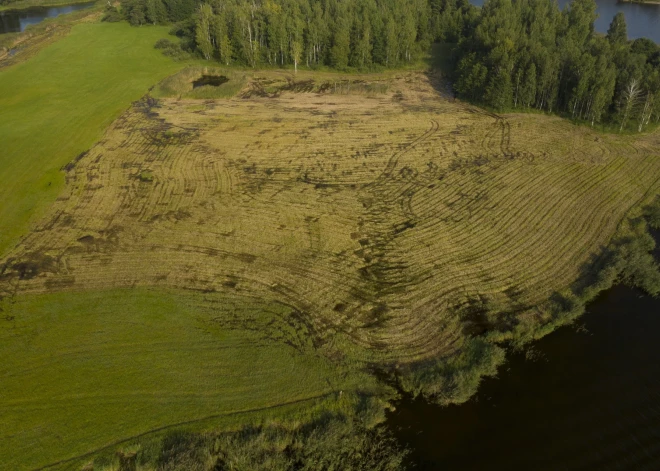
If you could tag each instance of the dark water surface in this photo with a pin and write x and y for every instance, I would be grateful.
(210, 80)
(14, 21)
(586, 397)
(643, 20)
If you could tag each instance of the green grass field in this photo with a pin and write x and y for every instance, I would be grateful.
(81, 372)
(56, 106)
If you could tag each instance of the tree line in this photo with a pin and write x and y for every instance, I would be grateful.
(335, 33)
(507, 55)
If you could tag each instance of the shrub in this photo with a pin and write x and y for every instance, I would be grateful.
(652, 213)
(454, 380)
(111, 15)
(171, 49)
(331, 441)
(164, 44)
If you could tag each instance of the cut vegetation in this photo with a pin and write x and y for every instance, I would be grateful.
(379, 225)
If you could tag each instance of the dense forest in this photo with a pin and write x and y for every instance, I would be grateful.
(529, 54)
(510, 54)
(335, 33)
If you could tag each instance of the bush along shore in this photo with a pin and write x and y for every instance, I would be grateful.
(347, 440)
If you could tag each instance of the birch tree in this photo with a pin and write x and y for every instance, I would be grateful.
(629, 100)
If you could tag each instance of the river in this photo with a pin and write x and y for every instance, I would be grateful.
(643, 20)
(14, 21)
(586, 397)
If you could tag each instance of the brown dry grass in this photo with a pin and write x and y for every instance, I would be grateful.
(395, 223)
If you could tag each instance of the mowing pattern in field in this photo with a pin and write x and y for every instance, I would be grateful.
(81, 372)
(399, 221)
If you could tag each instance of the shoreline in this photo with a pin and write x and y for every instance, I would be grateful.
(524, 375)
(642, 2)
(27, 4)
(409, 412)
(627, 251)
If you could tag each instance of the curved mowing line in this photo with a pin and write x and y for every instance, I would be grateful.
(583, 228)
(474, 234)
(179, 424)
(394, 159)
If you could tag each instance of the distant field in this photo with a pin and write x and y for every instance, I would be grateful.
(57, 105)
(80, 372)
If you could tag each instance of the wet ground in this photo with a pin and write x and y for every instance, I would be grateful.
(211, 80)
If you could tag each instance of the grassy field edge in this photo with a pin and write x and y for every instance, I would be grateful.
(96, 71)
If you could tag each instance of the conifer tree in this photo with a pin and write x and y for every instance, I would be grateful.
(618, 31)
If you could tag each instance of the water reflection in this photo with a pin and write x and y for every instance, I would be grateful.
(14, 21)
(643, 20)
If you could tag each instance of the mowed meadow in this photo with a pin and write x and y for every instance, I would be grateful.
(207, 258)
(394, 222)
(85, 371)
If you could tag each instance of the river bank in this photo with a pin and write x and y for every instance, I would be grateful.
(17, 20)
(25, 4)
(583, 397)
(645, 2)
(642, 17)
